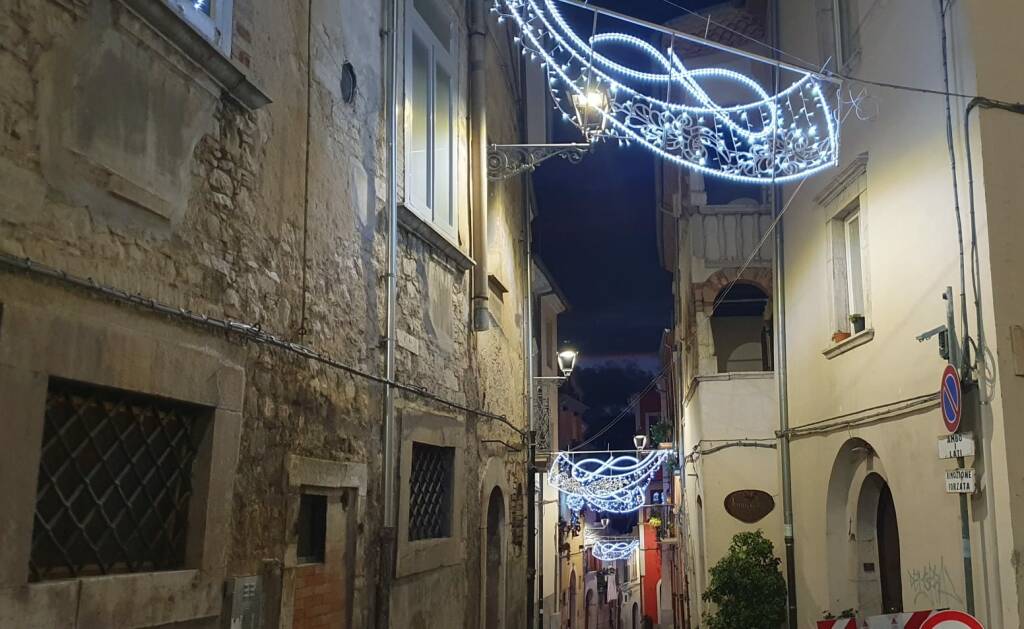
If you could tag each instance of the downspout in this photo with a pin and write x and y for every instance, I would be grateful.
(789, 536)
(531, 467)
(478, 159)
(389, 468)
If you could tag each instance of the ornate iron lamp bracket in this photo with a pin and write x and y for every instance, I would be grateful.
(509, 160)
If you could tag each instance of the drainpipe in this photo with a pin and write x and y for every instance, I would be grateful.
(781, 376)
(780, 371)
(478, 159)
(389, 468)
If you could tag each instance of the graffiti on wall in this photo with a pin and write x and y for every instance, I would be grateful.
(933, 587)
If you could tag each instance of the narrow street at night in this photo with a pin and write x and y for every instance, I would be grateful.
(511, 314)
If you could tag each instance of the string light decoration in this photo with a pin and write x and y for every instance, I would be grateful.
(614, 485)
(610, 548)
(671, 110)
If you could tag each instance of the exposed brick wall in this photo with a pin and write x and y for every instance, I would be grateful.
(319, 597)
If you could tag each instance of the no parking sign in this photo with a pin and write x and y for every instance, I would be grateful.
(951, 398)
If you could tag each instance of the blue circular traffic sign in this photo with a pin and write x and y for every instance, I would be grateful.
(951, 398)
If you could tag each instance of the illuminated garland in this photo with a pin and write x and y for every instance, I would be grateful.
(769, 138)
(611, 548)
(615, 485)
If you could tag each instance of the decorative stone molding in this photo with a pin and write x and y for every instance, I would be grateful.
(705, 292)
(854, 170)
(80, 340)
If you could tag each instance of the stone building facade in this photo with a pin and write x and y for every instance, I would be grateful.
(193, 236)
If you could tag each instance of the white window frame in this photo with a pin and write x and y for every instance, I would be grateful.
(444, 56)
(216, 27)
(851, 292)
(843, 56)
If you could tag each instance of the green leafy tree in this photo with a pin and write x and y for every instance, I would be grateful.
(746, 586)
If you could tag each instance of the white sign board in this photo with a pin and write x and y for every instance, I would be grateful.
(961, 481)
(956, 445)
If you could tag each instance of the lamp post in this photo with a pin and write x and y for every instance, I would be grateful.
(591, 107)
(540, 435)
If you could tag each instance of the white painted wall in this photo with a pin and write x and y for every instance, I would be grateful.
(910, 256)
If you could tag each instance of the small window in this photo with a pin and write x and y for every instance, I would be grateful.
(312, 528)
(847, 29)
(430, 491)
(430, 112)
(212, 18)
(115, 482)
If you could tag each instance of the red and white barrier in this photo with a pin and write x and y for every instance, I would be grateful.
(948, 619)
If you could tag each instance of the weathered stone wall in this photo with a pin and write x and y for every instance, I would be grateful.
(121, 160)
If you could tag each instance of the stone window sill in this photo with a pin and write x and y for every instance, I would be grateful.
(441, 243)
(846, 345)
(232, 79)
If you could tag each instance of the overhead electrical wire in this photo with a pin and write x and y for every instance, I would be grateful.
(810, 67)
(629, 407)
(246, 331)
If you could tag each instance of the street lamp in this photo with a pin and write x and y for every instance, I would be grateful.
(592, 106)
(640, 441)
(567, 361)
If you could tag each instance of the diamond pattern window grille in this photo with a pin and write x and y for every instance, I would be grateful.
(430, 491)
(115, 482)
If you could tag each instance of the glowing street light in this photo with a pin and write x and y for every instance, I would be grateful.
(592, 106)
(567, 361)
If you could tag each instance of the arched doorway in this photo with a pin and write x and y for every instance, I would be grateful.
(862, 533)
(889, 553)
(636, 616)
(495, 560)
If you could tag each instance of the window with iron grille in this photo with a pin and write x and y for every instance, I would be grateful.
(115, 482)
(430, 491)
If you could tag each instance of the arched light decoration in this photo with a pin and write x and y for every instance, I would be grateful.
(614, 485)
(671, 109)
(611, 548)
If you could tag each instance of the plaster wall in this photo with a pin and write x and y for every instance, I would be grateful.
(722, 410)
(910, 256)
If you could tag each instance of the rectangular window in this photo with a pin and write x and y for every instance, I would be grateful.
(212, 18)
(430, 103)
(115, 482)
(847, 29)
(312, 528)
(848, 283)
(855, 277)
(430, 491)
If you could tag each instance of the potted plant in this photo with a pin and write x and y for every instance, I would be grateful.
(839, 336)
(746, 588)
(857, 321)
(847, 619)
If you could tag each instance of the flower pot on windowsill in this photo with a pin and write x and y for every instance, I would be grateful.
(857, 321)
(838, 623)
(839, 337)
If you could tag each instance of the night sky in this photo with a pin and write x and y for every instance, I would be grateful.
(596, 232)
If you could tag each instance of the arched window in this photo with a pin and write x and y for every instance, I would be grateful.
(740, 331)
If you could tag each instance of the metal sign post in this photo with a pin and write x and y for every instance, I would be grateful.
(961, 481)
